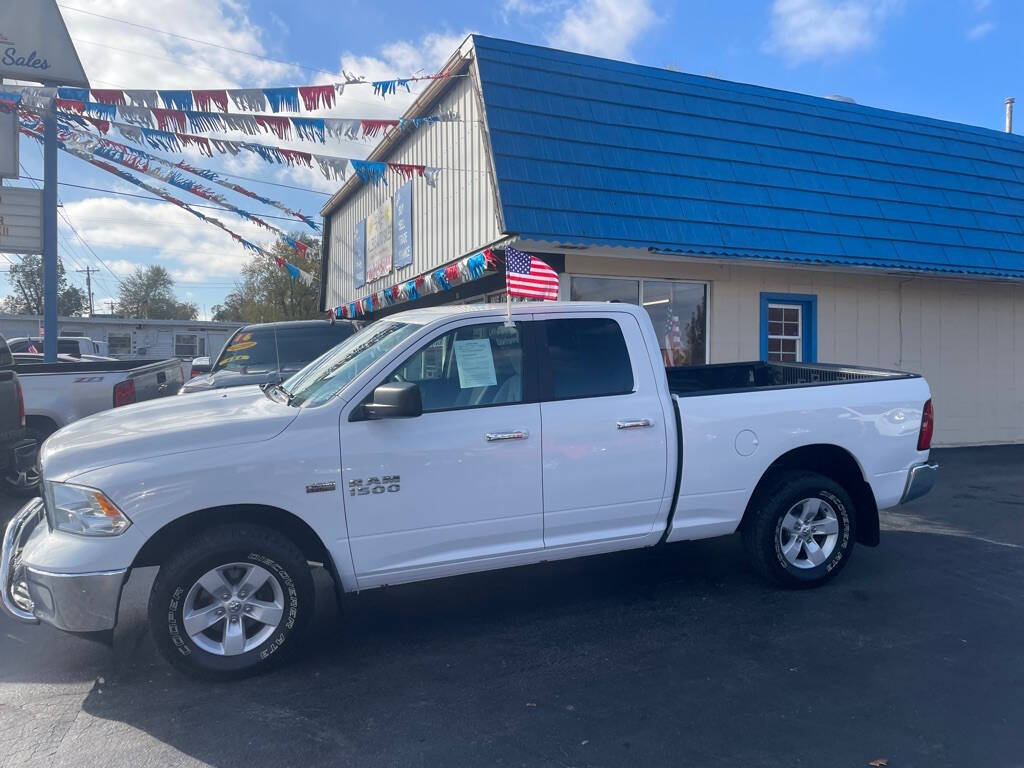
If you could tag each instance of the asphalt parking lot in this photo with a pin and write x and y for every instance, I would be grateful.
(676, 656)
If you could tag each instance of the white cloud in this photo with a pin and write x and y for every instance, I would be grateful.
(192, 250)
(603, 27)
(117, 55)
(813, 29)
(979, 31)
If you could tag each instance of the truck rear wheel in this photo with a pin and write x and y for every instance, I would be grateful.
(232, 602)
(799, 531)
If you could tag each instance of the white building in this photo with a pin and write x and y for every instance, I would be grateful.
(760, 223)
(133, 339)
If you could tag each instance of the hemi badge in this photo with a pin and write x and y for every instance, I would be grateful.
(320, 487)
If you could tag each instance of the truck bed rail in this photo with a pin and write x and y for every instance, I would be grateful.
(725, 378)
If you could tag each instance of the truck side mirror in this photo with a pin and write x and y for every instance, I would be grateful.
(399, 400)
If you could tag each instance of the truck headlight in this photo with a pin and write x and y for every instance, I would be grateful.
(85, 511)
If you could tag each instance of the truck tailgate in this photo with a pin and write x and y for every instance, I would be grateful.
(158, 379)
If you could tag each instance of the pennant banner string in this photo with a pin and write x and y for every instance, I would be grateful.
(143, 162)
(34, 130)
(315, 129)
(442, 279)
(289, 99)
(332, 167)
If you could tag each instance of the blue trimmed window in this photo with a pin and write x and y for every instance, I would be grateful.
(789, 327)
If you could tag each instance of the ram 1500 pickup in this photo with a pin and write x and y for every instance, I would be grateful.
(448, 440)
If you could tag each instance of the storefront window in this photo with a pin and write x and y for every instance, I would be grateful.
(678, 310)
(605, 289)
(679, 313)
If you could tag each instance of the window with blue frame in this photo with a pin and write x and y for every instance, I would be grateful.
(789, 327)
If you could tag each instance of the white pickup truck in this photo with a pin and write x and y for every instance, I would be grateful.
(444, 441)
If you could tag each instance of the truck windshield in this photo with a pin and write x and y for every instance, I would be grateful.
(249, 352)
(325, 377)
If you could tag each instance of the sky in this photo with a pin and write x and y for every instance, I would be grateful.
(950, 59)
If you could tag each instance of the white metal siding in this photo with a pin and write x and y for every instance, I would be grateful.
(965, 336)
(450, 220)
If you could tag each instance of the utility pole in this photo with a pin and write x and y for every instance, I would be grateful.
(50, 232)
(88, 283)
(110, 306)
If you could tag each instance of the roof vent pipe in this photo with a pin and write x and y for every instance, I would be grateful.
(1009, 115)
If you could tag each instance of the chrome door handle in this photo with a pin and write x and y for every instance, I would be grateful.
(633, 423)
(520, 434)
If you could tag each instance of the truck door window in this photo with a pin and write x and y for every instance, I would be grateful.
(470, 367)
(587, 357)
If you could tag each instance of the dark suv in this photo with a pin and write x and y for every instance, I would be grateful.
(271, 352)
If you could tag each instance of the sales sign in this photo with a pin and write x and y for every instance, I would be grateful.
(35, 45)
(21, 220)
(379, 242)
(359, 255)
(403, 226)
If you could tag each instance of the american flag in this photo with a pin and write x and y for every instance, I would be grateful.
(528, 276)
(675, 352)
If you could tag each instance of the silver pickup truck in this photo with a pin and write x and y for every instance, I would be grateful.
(57, 394)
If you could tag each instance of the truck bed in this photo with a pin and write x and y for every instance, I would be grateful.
(726, 378)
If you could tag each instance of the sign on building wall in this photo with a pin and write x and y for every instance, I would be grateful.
(403, 226)
(35, 45)
(8, 145)
(359, 254)
(21, 220)
(379, 233)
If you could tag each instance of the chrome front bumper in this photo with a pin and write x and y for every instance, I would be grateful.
(73, 602)
(920, 480)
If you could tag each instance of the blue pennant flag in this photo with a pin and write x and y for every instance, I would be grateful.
(310, 128)
(176, 99)
(161, 140)
(369, 173)
(282, 99)
(293, 271)
(74, 94)
(101, 111)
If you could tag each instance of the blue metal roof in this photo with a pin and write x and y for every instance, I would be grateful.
(597, 152)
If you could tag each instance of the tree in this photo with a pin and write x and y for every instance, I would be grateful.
(266, 293)
(148, 294)
(26, 298)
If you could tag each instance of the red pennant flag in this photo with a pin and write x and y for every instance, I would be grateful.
(373, 127)
(168, 117)
(279, 126)
(294, 156)
(103, 126)
(317, 96)
(109, 96)
(71, 105)
(204, 99)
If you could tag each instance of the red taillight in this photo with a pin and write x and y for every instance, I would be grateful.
(21, 402)
(924, 437)
(124, 393)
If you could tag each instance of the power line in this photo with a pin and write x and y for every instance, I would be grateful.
(201, 42)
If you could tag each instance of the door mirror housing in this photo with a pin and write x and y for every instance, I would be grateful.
(398, 400)
(200, 365)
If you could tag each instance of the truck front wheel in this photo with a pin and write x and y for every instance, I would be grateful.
(799, 532)
(232, 602)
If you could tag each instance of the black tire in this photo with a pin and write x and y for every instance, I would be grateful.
(764, 542)
(24, 484)
(216, 548)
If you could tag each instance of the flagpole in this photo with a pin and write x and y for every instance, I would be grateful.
(508, 299)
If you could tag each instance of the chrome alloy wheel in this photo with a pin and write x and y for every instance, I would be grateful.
(808, 533)
(233, 609)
